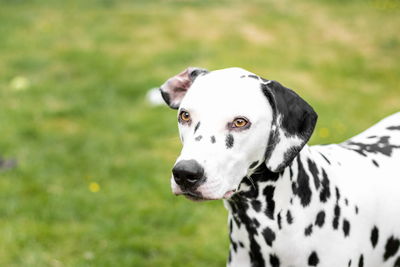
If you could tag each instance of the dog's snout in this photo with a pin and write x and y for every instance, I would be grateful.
(188, 173)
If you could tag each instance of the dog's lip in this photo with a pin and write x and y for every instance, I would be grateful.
(229, 194)
(196, 196)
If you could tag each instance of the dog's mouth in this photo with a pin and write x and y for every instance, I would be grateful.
(197, 196)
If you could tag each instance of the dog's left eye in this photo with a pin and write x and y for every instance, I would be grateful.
(239, 123)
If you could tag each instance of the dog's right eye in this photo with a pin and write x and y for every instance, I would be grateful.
(184, 116)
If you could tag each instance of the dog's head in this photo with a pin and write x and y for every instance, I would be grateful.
(231, 121)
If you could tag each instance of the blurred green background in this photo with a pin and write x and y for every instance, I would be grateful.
(91, 187)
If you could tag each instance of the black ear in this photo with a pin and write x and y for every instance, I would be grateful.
(175, 88)
(292, 126)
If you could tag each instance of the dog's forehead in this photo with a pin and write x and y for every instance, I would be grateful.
(227, 89)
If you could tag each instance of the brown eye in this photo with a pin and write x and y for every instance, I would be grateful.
(184, 116)
(239, 123)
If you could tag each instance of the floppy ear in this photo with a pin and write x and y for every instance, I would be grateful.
(292, 126)
(175, 88)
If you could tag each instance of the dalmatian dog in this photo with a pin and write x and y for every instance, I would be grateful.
(244, 141)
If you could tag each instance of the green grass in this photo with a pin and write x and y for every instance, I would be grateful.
(73, 79)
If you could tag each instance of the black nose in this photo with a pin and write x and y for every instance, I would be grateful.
(188, 173)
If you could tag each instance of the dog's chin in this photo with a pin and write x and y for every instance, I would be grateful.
(195, 197)
(198, 197)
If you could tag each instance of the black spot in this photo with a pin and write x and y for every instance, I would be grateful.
(335, 222)
(279, 220)
(196, 127)
(325, 191)
(289, 217)
(361, 261)
(371, 136)
(253, 76)
(198, 138)
(212, 139)
(239, 211)
(346, 201)
(256, 205)
(375, 163)
(314, 171)
(269, 194)
(356, 209)
(346, 227)
(313, 259)
(234, 245)
(308, 230)
(252, 165)
(327, 160)
(256, 223)
(269, 236)
(374, 236)
(230, 256)
(337, 194)
(320, 219)
(349, 263)
(241, 244)
(302, 189)
(397, 262)
(392, 128)
(391, 248)
(290, 172)
(274, 260)
(382, 146)
(229, 141)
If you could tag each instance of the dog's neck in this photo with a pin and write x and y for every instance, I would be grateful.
(263, 201)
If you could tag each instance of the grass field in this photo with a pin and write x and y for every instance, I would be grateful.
(92, 183)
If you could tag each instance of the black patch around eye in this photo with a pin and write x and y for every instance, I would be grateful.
(212, 138)
(229, 141)
(253, 164)
(391, 248)
(374, 236)
(196, 127)
(198, 138)
(313, 259)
